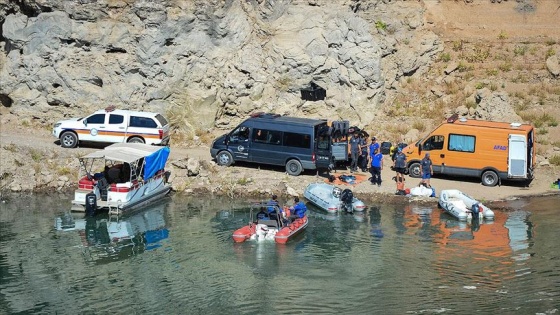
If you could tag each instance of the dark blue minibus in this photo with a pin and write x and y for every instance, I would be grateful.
(297, 143)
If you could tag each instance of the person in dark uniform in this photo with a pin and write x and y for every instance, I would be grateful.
(355, 142)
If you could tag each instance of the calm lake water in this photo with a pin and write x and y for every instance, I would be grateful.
(177, 257)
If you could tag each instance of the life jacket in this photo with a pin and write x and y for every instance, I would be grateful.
(300, 209)
(272, 206)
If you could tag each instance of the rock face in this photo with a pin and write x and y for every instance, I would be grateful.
(218, 60)
(494, 106)
(553, 65)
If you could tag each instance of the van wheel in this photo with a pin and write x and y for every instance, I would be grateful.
(68, 139)
(224, 158)
(294, 168)
(136, 140)
(415, 170)
(489, 178)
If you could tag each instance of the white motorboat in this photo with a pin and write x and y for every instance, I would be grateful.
(122, 177)
(463, 206)
(332, 199)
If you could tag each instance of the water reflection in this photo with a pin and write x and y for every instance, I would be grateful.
(106, 238)
(398, 259)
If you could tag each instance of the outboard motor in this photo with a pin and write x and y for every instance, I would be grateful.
(91, 204)
(347, 197)
(475, 211)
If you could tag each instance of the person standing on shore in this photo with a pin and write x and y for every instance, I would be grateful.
(374, 145)
(363, 152)
(427, 170)
(354, 151)
(376, 161)
(400, 164)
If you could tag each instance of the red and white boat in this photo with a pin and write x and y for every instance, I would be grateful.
(270, 229)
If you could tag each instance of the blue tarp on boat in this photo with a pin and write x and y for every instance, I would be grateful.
(155, 162)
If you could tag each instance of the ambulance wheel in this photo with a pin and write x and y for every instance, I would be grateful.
(415, 170)
(489, 178)
(69, 139)
(136, 140)
(294, 167)
(224, 158)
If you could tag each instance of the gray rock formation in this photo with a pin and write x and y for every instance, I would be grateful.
(213, 61)
(495, 106)
(553, 65)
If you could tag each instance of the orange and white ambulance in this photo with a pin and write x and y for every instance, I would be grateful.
(112, 125)
(493, 151)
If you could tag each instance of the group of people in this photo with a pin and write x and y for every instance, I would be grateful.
(369, 156)
(273, 211)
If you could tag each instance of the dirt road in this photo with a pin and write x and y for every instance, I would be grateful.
(263, 180)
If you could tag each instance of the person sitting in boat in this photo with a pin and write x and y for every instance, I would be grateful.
(297, 210)
(273, 208)
(262, 215)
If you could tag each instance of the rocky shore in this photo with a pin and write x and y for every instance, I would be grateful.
(32, 161)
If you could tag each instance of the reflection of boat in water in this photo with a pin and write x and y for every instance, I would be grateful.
(272, 228)
(332, 199)
(129, 175)
(316, 212)
(106, 238)
(462, 206)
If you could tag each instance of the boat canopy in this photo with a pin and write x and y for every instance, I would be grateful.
(154, 157)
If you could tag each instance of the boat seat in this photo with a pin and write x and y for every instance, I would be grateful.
(269, 223)
(458, 203)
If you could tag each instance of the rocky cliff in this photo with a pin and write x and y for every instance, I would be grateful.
(208, 62)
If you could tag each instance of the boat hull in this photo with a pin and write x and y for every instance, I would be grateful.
(124, 200)
(321, 195)
(244, 233)
(256, 231)
(291, 230)
(459, 205)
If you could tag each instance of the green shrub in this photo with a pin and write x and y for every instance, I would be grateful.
(520, 50)
(419, 125)
(10, 147)
(503, 35)
(505, 67)
(554, 160)
(457, 45)
(36, 155)
(545, 118)
(445, 57)
(542, 131)
(550, 52)
(380, 25)
(470, 104)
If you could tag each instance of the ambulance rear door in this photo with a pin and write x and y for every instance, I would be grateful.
(517, 156)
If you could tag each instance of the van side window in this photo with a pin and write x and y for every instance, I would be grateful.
(297, 140)
(267, 136)
(461, 143)
(116, 119)
(144, 122)
(433, 143)
(96, 119)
